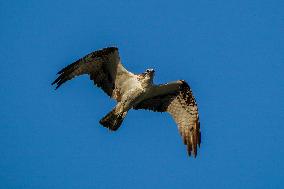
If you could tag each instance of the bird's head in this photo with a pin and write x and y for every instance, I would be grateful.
(148, 75)
(150, 72)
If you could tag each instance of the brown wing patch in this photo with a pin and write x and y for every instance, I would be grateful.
(156, 104)
(182, 106)
(96, 64)
(185, 112)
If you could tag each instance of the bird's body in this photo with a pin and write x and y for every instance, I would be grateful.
(137, 91)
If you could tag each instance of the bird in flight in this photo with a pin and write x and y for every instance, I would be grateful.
(137, 91)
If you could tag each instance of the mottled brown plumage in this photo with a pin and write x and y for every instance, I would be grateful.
(101, 66)
(137, 91)
(180, 104)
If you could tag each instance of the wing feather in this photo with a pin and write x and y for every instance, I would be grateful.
(103, 67)
(180, 103)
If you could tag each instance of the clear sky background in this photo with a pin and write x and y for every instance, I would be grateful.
(230, 52)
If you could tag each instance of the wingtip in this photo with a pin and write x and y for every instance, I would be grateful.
(192, 153)
(53, 83)
(58, 84)
(192, 149)
(188, 153)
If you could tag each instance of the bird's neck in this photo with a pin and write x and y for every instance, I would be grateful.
(146, 82)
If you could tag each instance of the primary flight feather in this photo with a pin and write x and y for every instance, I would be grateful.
(137, 91)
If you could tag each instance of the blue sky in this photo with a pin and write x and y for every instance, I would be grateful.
(230, 52)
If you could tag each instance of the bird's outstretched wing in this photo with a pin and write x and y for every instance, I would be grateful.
(177, 99)
(105, 69)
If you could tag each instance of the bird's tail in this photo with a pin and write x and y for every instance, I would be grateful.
(113, 120)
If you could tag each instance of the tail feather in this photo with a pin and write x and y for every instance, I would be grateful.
(113, 120)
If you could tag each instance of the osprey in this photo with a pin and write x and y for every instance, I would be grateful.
(137, 91)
